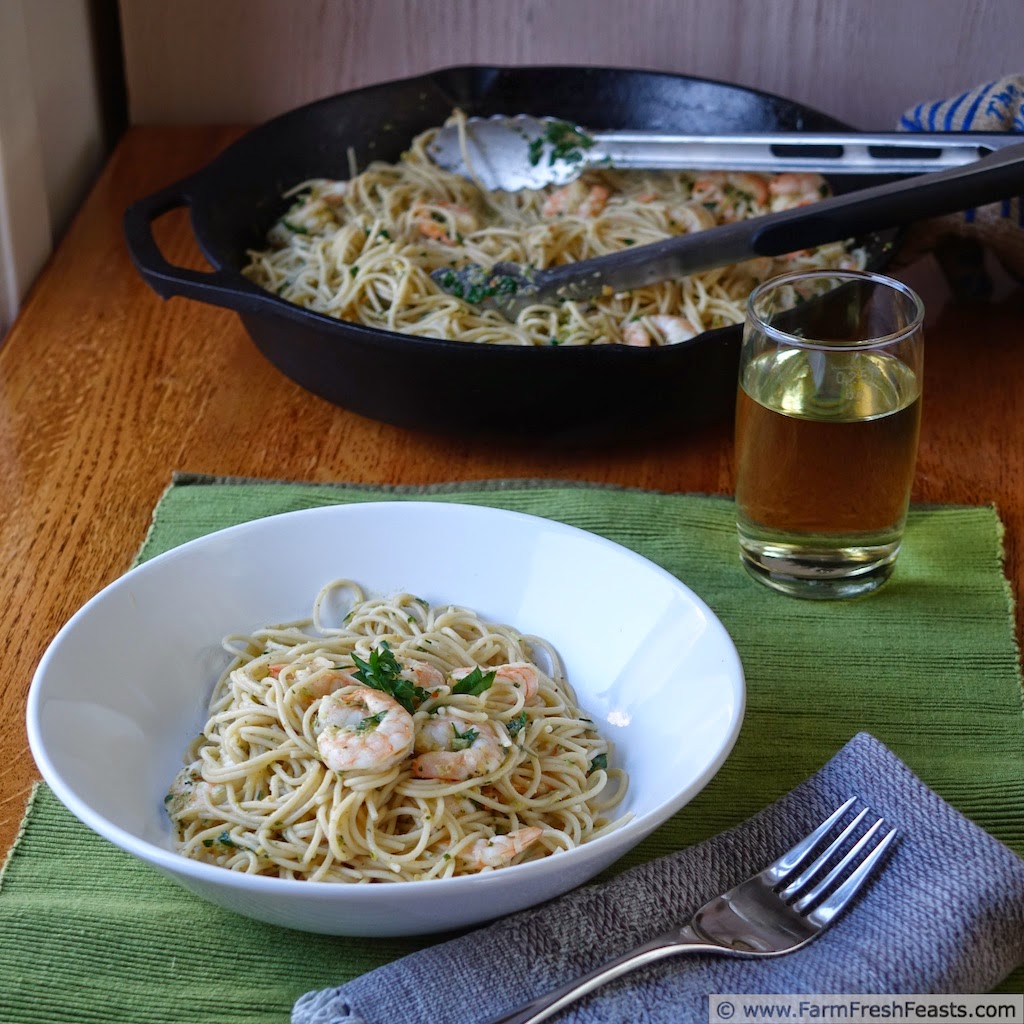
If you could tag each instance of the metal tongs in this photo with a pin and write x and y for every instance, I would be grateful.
(510, 287)
(513, 153)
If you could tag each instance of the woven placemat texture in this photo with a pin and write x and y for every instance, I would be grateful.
(928, 665)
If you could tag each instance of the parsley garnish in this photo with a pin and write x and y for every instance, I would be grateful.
(297, 228)
(371, 722)
(601, 761)
(475, 683)
(225, 839)
(462, 740)
(567, 143)
(515, 725)
(382, 672)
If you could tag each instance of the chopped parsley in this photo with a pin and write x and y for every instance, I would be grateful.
(224, 839)
(297, 228)
(599, 762)
(383, 672)
(475, 683)
(463, 740)
(370, 722)
(478, 284)
(517, 724)
(567, 143)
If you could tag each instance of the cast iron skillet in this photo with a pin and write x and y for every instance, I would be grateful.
(574, 394)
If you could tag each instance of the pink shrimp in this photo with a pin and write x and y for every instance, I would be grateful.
(518, 674)
(444, 222)
(795, 188)
(363, 729)
(499, 851)
(577, 200)
(644, 333)
(456, 749)
(732, 194)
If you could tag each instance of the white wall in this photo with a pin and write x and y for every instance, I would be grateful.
(863, 61)
(51, 134)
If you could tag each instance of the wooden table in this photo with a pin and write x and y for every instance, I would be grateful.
(105, 390)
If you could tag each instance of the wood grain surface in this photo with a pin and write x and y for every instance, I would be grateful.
(105, 390)
(863, 61)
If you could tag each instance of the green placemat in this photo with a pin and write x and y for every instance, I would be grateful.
(928, 664)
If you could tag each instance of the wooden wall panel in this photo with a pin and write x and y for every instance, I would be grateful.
(864, 61)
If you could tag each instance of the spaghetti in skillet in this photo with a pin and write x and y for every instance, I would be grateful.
(363, 249)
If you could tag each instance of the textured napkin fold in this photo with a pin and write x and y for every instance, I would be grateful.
(945, 915)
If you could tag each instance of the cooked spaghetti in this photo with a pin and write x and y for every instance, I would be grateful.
(363, 249)
(410, 742)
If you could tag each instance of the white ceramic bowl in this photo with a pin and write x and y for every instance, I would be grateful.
(124, 685)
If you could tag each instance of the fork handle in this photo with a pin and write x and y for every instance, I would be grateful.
(681, 940)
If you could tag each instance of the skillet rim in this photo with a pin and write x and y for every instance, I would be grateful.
(202, 189)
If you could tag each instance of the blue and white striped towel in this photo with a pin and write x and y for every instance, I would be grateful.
(995, 106)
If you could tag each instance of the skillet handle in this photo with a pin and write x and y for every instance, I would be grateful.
(219, 286)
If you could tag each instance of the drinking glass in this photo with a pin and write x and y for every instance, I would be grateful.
(827, 420)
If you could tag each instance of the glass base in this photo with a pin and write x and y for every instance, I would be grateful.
(816, 571)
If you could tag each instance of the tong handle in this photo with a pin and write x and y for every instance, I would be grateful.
(826, 152)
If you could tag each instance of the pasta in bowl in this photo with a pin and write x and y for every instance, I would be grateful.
(409, 743)
(132, 679)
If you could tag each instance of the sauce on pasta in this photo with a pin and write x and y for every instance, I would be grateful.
(410, 742)
(363, 249)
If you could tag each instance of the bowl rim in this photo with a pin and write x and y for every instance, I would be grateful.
(177, 864)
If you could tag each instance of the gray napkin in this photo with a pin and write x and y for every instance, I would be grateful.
(945, 915)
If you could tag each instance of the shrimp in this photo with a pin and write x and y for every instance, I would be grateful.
(576, 199)
(444, 222)
(318, 678)
(794, 188)
(190, 791)
(709, 187)
(672, 329)
(732, 194)
(421, 673)
(363, 729)
(498, 851)
(445, 752)
(751, 185)
(693, 217)
(521, 675)
(757, 269)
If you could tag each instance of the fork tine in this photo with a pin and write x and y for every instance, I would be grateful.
(792, 859)
(796, 884)
(829, 908)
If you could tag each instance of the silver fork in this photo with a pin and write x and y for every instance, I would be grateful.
(779, 910)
